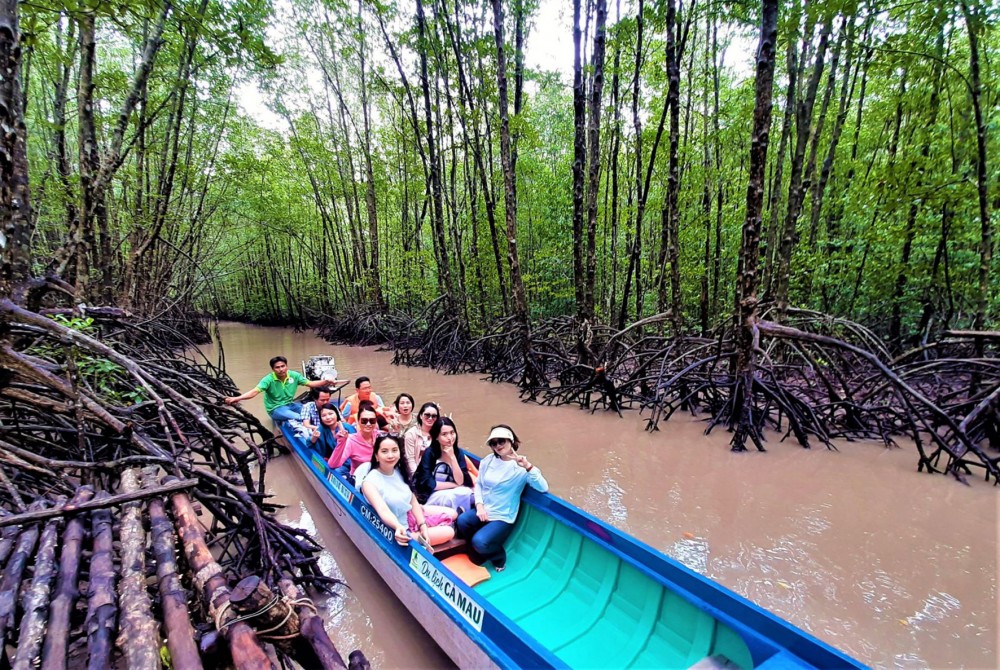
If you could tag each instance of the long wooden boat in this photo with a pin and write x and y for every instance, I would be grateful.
(576, 593)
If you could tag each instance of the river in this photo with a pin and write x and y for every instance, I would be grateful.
(895, 567)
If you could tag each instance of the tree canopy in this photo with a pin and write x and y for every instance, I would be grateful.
(156, 179)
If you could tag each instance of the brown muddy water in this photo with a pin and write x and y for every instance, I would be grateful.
(897, 568)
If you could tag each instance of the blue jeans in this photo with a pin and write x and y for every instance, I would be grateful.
(486, 539)
(287, 412)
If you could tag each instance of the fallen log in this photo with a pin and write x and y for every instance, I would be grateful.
(102, 606)
(312, 631)
(173, 597)
(209, 578)
(97, 503)
(973, 334)
(139, 633)
(67, 587)
(7, 538)
(36, 601)
(10, 584)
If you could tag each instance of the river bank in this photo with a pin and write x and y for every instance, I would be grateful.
(895, 567)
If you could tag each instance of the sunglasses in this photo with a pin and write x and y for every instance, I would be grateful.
(430, 416)
(497, 442)
(368, 421)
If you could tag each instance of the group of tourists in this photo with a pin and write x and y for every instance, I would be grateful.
(408, 467)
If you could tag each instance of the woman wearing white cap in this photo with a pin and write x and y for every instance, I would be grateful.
(502, 478)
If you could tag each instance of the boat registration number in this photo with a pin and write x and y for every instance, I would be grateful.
(457, 598)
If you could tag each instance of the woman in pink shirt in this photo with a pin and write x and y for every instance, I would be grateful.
(358, 447)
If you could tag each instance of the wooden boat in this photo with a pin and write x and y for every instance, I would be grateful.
(576, 593)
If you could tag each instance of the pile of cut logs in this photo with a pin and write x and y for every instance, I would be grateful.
(127, 579)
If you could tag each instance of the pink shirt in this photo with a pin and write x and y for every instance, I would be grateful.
(354, 449)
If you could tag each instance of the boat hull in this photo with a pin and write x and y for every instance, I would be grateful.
(438, 625)
(577, 593)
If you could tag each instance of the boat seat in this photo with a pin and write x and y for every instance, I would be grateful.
(624, 626)
(449, 548)
(466, 570)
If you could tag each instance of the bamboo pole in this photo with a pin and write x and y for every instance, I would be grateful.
(36, 601)
(67, 587)
(139, 633)
(246, 650)
(102, 606)
(312, 630)
(173, 597)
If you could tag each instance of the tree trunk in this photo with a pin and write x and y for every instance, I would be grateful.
(585, 312)
(611, 279)
(15, 203)
(579, 159)
(89, 163)
(846, 91)
(793, 63)
(445, 284)
(973, 23)
(370, 205)
(37, 599)
(670, 229)
(899, 290)
(510, 197)
(746, 280)
(706, 192)
(796, 186)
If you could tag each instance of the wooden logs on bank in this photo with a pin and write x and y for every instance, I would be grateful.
(127, 579)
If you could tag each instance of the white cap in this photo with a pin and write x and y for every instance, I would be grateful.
(501, 433)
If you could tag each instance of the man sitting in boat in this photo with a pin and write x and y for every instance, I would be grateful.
(362, 393)
(502, 478)
(280, 388)
(309, 416)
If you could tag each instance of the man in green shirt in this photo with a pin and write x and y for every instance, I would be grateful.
(279, 389)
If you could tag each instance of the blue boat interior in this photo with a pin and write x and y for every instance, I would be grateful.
(593, 609)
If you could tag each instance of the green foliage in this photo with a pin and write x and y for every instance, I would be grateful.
(266, 217)
(106, 377)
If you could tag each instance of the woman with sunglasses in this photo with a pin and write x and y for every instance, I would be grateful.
(418, 438)
(358, 447)
(385, 489)
(442, 477)
(502, 478)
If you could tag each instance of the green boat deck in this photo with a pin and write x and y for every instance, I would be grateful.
(593, 609)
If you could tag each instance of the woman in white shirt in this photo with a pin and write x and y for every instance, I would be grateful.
(386, 490)
(502, 478)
